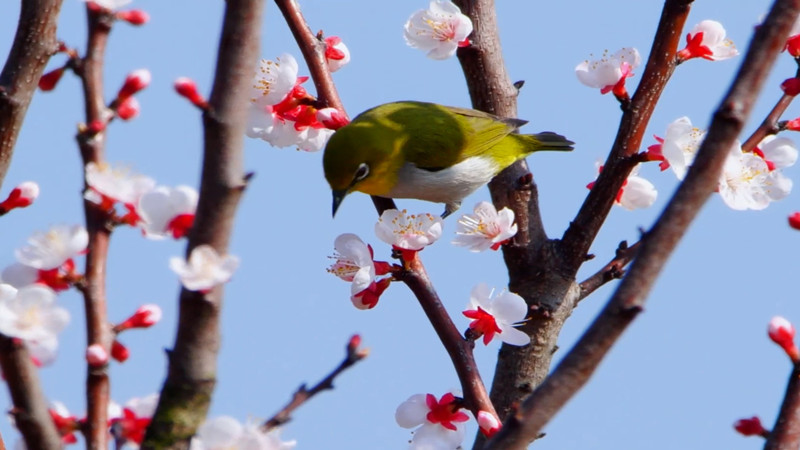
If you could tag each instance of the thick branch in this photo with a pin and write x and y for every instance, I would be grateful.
(186, 394)
(303, 394)
(660, 65)
(34, 43)
(30, 405)
(786, 432)
(657, 245)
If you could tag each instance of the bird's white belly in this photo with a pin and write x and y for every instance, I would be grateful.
(449, 185)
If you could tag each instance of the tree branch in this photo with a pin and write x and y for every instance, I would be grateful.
(187, 391)
(611, 271)
(302, 394)
(30, 405)
(785, 433)
(34, 43)
(657, 245)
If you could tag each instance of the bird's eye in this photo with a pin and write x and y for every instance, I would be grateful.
(362, 172)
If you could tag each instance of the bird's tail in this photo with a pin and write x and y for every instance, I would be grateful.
(547, 140)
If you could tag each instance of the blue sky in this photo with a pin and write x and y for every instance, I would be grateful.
(693, 363)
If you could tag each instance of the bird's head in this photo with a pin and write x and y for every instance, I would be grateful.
(359, 159)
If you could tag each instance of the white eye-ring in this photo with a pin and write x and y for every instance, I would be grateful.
(362, 172)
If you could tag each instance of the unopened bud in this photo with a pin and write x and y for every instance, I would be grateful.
(96, 355)
(794, 221)
(782, 332)
(119, 352)
(144, 317)
(750, 427)
(49, 80)
(332, 118)
(133, 16)
(489, 423)
(135, 82)
(21, 196)
(128, 109)
(791, 86)
(187, 88)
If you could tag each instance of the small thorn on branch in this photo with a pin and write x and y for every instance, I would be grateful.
(518, 85)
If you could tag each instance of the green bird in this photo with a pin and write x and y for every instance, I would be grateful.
(427, 152)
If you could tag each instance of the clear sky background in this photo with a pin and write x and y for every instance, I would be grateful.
(693, 363)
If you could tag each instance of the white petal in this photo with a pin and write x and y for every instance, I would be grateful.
(412, 412)
(509, 307)
(512, 336)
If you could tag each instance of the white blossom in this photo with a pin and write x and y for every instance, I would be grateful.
(408, 231)
(51, 249)
(439, 30)
(205, 268)
(31, 313)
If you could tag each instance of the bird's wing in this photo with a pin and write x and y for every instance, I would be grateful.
(472, 132)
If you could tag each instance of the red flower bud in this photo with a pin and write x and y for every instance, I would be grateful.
(134, 16)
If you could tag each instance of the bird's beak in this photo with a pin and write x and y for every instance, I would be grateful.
(338, 196)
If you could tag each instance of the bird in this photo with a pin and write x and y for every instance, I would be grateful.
(426, 151)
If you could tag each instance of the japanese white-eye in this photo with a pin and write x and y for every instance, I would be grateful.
(426, 151)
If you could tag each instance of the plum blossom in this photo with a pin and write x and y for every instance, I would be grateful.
(337, 55)
(21, 196)
(96, 355)
(489, 423)
(204, 269)
(109, 185)
(408, 231)
(144, 317)
(280, 110)
(129, 426)
(43, 351)
(707, 40)
(679, 145)
(51, 249)
(610, 71)
(439, 30)
(167, 211)
(747, 182)
(778, 152)
(750, 427)
(31, 313)
(486, 228)
(110, 5)
(66, 423)
(222, 433)
(496, 316)
(635, 193)
(440, 423)
(354, 263)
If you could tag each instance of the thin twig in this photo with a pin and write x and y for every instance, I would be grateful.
(187, 391)
(770, 124)
(612, 271)
(578, 365)
(302, 395)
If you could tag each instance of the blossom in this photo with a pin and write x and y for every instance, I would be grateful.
(747, 182)
(204, 269)
(30, 313)
(486, 228)
(635, 193)
(274, 80)
(21, 196)
(610, 71)
(53, 248)
(440, 423)
(167, 211)
(131, 425)
(408, 231)
(680, 145)
(332, 118)
(66, 423)
(58, 279)
(439, 30)
(337, 55)
(354, 263)
(221, 433)
(108, 185)
(497, 316)
(707, 41)
(782, 332)
(778, 152)
(43, 351)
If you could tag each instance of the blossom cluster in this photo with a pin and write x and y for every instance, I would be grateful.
(282, 112)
